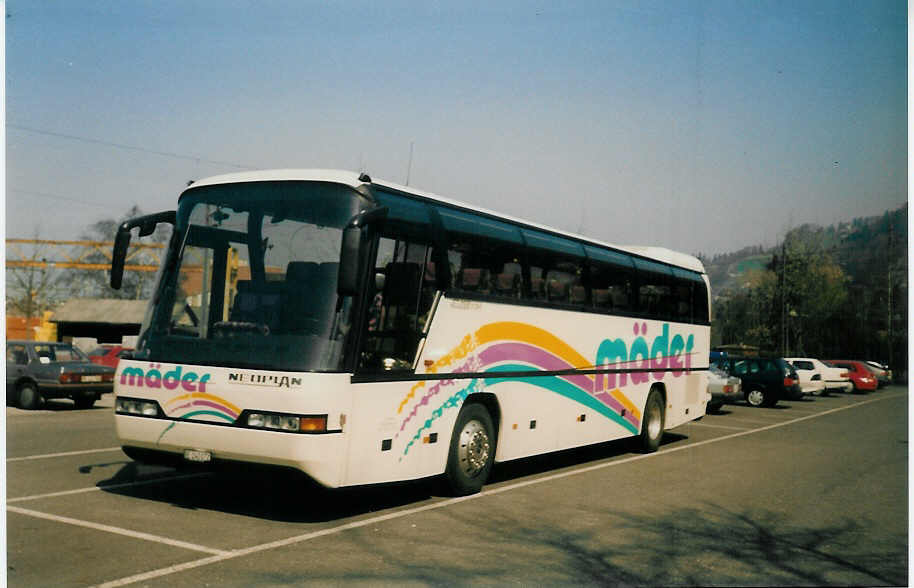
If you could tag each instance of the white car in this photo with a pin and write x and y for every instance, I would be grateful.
(832, 377)
(723, 388)
(881, 371)
(811, 381)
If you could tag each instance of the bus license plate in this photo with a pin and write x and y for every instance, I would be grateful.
(198, 455)
(91, 378)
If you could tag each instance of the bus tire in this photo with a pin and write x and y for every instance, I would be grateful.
(472, 450)
(28, 396)
(653, 422)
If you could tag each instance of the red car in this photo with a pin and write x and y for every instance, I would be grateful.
(108, 354)
(862, 378)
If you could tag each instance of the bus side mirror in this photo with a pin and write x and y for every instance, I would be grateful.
(121, 241)
(147, 225)
(352, 252)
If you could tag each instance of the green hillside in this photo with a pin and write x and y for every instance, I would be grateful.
(839, 291)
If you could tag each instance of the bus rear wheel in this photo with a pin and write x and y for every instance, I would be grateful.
(652, 425)
(472, 450)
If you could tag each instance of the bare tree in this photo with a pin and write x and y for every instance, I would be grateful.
(94, 284)
(32, 289)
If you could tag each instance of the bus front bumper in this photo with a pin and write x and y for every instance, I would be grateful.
(170, 442)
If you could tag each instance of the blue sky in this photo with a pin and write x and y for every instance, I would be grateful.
(699, 126)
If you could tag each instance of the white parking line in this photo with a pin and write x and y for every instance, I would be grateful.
(116, 530)
(449, 502)
(752, 421)
(64, 454)
(693, 424)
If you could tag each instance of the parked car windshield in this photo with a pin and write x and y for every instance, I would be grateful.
(59, 352)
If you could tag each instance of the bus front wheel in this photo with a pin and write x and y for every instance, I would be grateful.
(472, 450)
(652, 426)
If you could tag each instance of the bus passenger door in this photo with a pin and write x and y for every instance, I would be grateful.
(382, 447)
(404, 280)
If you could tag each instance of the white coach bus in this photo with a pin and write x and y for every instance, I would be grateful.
(364, 332)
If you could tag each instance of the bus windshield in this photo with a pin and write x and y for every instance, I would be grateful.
(251, 275)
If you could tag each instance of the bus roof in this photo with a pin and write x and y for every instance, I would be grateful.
(352, 179)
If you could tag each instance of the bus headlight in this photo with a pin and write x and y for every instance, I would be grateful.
(292, 423)
(136, 406)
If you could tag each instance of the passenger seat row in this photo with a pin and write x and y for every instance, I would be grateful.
(300, 304)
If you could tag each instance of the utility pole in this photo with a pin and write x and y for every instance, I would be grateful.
(891, 260)
(784, 349)
(409, 166)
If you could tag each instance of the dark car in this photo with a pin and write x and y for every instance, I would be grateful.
(36, 370)
(765, 380)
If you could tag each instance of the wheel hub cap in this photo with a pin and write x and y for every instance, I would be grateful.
(473, 451)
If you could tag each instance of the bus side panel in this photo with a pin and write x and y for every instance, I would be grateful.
(392, 439)
(526, 427)
(688, 400)
(524, 357)
(554, 408)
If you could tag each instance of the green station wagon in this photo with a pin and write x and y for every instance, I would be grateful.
(765, 380)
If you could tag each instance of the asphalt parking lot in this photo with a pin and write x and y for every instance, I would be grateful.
(810, 492)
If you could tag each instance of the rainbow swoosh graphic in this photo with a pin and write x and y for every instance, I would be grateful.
(201, 406)
(511, 348)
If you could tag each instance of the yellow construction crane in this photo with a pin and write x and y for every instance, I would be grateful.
(73, 254)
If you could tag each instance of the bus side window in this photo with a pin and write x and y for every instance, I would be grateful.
(556, 269)
(509, 280)
(537, 289)
(611, 279)
(563, 281)
(656, 298)
(691, 295)
(611, 287)
(700, 302)
(483, 255)
(683, 300)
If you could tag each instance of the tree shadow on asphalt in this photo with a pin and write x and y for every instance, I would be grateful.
(705, 546)
(290, 496)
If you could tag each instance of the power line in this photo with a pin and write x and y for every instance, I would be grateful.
(57, 197)
(128, 147)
